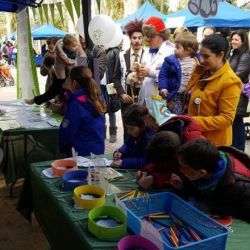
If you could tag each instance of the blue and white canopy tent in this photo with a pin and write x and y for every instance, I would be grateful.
(144, 12)
(46, 31)
(227, 15)
(41, 32)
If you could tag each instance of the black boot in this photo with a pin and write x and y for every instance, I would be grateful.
(112, 134)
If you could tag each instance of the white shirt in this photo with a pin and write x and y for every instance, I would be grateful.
(132, 57)
(154, 63)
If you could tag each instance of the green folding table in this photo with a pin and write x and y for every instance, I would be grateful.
(66, 227)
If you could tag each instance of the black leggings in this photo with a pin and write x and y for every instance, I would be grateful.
(51, 93)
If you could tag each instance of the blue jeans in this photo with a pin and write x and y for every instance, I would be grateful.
(239, 136)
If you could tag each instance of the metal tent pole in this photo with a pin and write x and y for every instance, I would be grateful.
(86, 11)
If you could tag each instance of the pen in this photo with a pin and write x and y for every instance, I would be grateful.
(174, 237)
(126, 195)
(194, 234)
(159, 216)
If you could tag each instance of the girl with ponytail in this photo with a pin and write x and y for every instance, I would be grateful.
(83, 123)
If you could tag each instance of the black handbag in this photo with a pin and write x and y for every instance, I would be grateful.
(242, 106)
(114, 103)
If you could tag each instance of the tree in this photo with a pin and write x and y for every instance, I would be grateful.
(181, 5)
(245, 5)
(130, 7)
(161, 5)
(234, 2)
(114, 9)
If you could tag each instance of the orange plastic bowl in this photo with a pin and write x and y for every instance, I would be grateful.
(60, 167)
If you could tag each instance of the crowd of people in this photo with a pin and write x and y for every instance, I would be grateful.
(200, 151)
(8, 52)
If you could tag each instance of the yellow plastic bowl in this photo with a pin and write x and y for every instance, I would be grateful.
(89, 203)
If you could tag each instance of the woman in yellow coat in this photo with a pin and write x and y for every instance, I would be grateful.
(214, 91)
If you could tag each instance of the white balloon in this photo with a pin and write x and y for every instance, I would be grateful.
(117, 38)
(80, 27)
(101, 29)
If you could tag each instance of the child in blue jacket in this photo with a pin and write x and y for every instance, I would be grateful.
(141, 126)
(177, 70)
(83, 123)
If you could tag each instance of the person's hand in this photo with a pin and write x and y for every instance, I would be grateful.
(116, 164)
(132, 78)
(139, 175)
(143, 71)
(117, 155)
(164, 93)
(126, 98)
(145, 181)
(170, 105)
(176, 181)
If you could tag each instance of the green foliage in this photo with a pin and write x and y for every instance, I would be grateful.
(181, 5)
(2, 26)
(13, 21)
(3, 23)
(234, 2)
(58, 22)
(115, 9)
(158, 5)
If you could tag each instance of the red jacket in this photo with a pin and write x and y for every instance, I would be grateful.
(161, 173)
(240, 161)
(187, 128)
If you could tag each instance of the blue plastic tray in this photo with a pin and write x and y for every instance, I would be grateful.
(213, 234)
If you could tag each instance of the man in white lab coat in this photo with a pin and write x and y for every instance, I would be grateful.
(157, 36)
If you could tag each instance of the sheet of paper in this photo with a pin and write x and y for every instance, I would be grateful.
(112, 174)
(48, 173)
(85, 162)
(26, 116)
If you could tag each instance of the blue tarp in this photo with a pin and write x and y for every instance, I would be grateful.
(46, 31)
(228, 15)
(144, 12)
(12, 36)
(15, 5)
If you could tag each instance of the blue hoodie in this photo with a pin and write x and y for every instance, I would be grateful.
(134, 151)
(170, 76)
(81, 128)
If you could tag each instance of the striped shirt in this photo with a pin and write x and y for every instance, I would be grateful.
(187, 68)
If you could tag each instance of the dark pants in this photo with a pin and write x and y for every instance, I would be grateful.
(51, 93)
(112, 116)
(124, 107)
(239, 136)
